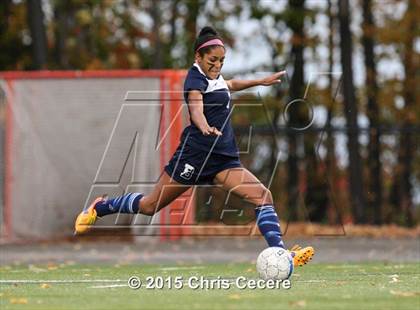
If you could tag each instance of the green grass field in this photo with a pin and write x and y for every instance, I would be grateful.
(316, 286)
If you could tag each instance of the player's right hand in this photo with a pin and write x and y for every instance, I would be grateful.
(211, 131)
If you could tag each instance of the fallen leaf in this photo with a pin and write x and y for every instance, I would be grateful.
(234, 296)
(298, 303)
(20, 301)
(404, 294)
(340, 282)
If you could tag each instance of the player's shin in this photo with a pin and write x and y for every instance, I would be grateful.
(269, 226)
(127, 203)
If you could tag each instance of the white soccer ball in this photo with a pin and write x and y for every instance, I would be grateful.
(275, 263)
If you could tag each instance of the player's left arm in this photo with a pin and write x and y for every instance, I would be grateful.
(236, 85)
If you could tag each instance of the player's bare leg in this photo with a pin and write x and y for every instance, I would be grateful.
(243, 183)
(164, 192)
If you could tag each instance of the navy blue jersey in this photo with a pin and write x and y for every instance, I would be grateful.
(217, 109)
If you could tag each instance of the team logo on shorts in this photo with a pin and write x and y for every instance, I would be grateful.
(188, 172)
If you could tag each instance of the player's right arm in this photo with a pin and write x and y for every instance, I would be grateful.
(196, 108)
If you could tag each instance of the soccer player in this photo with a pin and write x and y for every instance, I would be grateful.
(207, 152)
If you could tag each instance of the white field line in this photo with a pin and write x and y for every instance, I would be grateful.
(181, 268)
(109, 286)
(62, 281)
(310, 281)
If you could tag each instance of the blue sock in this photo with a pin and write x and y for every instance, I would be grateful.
(269, 225)
(127, 203)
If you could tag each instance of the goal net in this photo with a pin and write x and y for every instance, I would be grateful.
(69, 136)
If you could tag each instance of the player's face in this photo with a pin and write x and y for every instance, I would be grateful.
(212, 62)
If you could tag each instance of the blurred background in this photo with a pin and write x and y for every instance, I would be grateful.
(346, 152)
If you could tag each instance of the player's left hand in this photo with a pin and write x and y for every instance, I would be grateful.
(272, 79)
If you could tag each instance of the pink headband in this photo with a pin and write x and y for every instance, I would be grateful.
(210, 42)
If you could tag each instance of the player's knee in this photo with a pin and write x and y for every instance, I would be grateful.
(265, 197)
(269, 196)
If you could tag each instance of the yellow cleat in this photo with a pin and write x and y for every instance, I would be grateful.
(86, 218)
(301, 256)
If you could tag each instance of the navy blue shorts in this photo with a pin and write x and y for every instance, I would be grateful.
(189, 166)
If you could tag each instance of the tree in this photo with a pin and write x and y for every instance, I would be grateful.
(350, 111)
(193, 7)
(60, 33)
(156, 36)
(330, 160)
(374, 162)
(295, 21)
(402, 182)
(98, 35)
(15, 50)
(259, 12)
(35, 16)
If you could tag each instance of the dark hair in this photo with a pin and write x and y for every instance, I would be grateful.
(206, 34)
